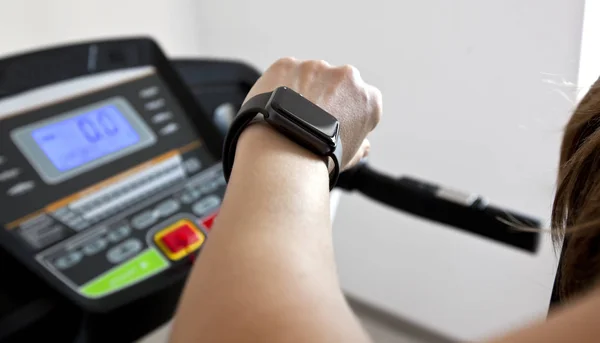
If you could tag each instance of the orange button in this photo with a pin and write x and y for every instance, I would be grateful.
(179, 239)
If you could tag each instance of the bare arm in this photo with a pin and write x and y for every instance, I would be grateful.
(267, 273)
(578, 322)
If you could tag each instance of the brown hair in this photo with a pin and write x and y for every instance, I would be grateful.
(576, 210)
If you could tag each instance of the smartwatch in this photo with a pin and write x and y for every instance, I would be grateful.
(295, 117)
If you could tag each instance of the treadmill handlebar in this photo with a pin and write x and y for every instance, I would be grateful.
(463, 211)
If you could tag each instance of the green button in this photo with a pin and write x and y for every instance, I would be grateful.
(141, 267)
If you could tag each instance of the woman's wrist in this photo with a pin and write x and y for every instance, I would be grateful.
(262, 148)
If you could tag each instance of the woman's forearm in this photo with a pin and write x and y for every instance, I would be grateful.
(577, 322)
(267, 272)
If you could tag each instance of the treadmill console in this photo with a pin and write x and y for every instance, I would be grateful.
(107, 188)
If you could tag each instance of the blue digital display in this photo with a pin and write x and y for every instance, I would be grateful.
(86, 137)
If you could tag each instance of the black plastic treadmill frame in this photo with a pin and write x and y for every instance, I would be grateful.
(23, 72)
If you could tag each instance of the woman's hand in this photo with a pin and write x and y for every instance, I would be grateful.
(338, 90)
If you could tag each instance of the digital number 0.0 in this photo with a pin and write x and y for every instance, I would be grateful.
(94, 130)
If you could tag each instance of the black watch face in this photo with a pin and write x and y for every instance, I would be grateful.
(306, 114)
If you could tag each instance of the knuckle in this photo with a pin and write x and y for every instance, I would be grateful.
(376, 118)
(315, 65)
(348, 71)
(285, 63)
(377, 97)
(377, 104)
(321, 64)
(308, 67)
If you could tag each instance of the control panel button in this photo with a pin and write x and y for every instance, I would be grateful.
(155, 104)
(68, 260)
(209, 187)
(192, 165)
(123, 251)
(79, 225)
(75, 220)
(161, 117)
(21, 188)
(36, 222)
(68, 218)
(93, 219)
(144, 220)
(144, 265)
(95, 247)
(119, 234)
(62, 211)
(195, 193)
(167, 208)
(72, 220)
(169, 129)
(43, 234)
(149, 92)
(9, 174)
(206, 205)
(208, 221)
(188, 197)
(179, 239)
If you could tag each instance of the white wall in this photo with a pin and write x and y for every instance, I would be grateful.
(471, 101)
(27, 24)
(467, 105)
(589, 68)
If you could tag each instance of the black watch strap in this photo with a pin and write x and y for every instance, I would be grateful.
(249, 110)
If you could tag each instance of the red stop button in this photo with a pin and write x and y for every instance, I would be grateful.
(180, 238)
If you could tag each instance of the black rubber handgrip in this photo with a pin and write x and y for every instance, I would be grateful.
(420, 199)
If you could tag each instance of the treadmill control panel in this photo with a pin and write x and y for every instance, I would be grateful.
(105, 187)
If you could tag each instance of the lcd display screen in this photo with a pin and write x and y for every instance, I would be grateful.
(68, 144)
(89, 136)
